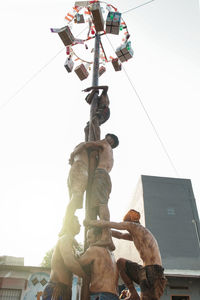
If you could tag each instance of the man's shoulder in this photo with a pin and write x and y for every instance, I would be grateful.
(133, 226)
(66, 238)
(102, 142)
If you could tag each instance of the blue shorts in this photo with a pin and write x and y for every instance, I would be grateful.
(103, 296)
(57, 291)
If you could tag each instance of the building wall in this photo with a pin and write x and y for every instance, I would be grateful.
(170, 213)
(27, 283)
(35, 286)
(182, 287)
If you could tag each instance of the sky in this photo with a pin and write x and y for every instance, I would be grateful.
(43, 112)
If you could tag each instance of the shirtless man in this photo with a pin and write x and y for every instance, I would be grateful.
(150, 276)
(63, 264)
(101, 185)
(102, 113)
(78, 178)
(104, 273)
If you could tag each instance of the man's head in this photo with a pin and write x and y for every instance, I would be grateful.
(93, 235)
(70, 226)
(132, 216)
(112, 139)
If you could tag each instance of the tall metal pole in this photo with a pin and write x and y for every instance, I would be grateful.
(95, 78)
(93, 108)
(93, 154)
(95, 81)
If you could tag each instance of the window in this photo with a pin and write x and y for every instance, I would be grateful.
(182, 297)
(171, 211)
(10, 294)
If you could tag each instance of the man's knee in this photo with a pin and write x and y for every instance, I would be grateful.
(121, 264)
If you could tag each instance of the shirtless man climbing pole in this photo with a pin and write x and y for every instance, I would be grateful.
(101, 185)
(150, 276)
(102, 113)
(78, 178)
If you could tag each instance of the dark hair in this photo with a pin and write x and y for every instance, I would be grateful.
(115, 139)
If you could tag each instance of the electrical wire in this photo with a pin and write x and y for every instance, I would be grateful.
(151, 122)
(136, 7)
(34, 75)
(148, 116)
(30, 79)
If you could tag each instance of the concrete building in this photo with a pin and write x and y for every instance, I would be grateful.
(168, 210)
(19, 282)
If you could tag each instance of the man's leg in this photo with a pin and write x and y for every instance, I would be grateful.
(95, 128)
(104, 214)
(121, 264)
(74, 204)
(77, 183)
(156, 283)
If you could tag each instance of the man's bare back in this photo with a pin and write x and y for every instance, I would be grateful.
(105, 152)
(80, 155)
(104, 273)
(145, 243)
(59, 271)
(105, 156)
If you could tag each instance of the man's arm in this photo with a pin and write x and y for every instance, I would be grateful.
(94, 88)
(90, 96)
(120, 235)
(96, 145)
(103, 224)
(65, 247)
(87, 257)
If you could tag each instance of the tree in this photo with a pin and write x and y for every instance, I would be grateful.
(46, 262)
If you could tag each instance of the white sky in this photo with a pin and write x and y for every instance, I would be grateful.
(40, 126)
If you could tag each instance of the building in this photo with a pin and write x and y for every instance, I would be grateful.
(19, 282)
(168, 210)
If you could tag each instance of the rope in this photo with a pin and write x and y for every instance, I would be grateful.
(30, 79)
(137, 7)
(148, 116)
(34, 75)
